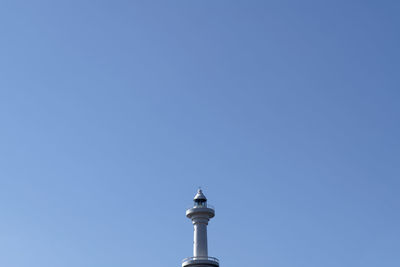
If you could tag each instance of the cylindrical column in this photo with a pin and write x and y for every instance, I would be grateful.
(200, 240)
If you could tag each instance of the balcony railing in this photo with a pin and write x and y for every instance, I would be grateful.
(201, 258)
(202, 206)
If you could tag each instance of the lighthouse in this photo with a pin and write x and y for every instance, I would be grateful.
(200, 214)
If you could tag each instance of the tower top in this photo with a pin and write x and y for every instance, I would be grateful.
(200, 196)
(200, 214)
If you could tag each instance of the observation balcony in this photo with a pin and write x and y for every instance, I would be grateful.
(204, 208)
(200, 261)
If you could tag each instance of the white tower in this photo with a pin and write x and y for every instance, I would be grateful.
(200, 214)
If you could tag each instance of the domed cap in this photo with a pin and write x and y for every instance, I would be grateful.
(200, 197)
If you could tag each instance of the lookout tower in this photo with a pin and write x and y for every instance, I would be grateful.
(200, 214)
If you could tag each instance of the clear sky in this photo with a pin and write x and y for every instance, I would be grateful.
(112, 113)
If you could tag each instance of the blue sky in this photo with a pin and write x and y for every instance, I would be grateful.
(112, 113)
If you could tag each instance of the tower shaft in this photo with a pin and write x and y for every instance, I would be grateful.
(200, 238)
